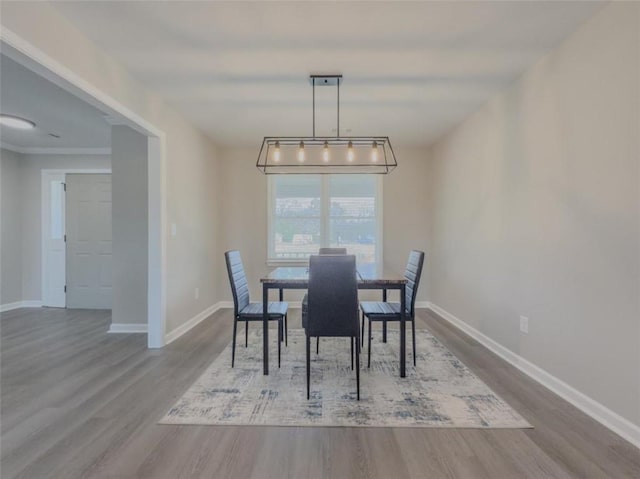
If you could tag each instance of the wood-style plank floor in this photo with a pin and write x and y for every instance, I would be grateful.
(78, 402)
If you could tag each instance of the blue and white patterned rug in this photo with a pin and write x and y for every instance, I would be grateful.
(439, 392)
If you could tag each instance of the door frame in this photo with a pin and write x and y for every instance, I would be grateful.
(33, 58)
(45, 215)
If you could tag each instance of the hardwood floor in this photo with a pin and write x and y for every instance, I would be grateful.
(78, 402)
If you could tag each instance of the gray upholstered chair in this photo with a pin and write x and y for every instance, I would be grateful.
(383, 311)
(332, 251)
(305, 299)
(244, 309)
(332, 309)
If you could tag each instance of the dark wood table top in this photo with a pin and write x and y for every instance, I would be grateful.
(369, 273)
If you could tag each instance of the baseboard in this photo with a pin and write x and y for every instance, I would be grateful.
(605, 416)
(197, 319)
(422, 304)
(20, 304)
(128, 328)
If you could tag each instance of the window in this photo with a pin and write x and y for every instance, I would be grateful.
(307, 212)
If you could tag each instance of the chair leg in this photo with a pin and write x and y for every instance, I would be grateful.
(286, 327)
(308, 365)
(233, 347)
(352, 353)
(413, 330)
(358, 373)
(369, 346)
(362, 328)
(317, 344)
(279, 339)
(246, 334)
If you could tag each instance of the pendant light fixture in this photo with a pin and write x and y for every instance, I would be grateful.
(326, 155)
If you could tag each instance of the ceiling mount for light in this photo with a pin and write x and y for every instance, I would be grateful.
(16, 122)
(323, 154)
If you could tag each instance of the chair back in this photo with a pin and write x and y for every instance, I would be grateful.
(332, 251)
(238, 280)
(413, 273)
(333, 296)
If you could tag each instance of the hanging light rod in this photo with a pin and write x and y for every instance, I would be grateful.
(326, 154)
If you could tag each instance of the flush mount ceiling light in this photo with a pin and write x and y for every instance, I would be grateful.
(326, 155)
(16, 122)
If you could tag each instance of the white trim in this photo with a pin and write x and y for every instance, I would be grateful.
(127, 328)
(46, 176)
(157, 241)
(17, 49)
(36, 60)
(422, 304)
(605, 416)
(8, 146)
(28, 150)
(193, 322)
(19, 304)
(73, 171)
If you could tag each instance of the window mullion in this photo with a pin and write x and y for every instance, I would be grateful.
(325, 211)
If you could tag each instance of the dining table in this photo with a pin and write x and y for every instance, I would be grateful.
(370, 276)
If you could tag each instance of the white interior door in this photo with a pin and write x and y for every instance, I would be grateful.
(88, 229)
(53, 247)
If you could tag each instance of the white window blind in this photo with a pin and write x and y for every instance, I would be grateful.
(307, 212)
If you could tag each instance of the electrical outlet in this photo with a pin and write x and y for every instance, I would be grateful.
(196, 293)
(524, 324)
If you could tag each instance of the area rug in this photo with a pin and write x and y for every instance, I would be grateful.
(439, 392)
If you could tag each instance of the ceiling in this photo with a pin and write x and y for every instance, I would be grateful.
(411, 70)
(55, 111)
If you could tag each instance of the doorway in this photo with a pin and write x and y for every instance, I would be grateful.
(55, 235)
(31, 57)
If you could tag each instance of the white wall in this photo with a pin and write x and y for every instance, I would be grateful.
(190, 155)
(243, 203)
(10, 228)
(536, 212)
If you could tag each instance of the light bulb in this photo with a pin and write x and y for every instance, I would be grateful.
(301, 152)
(276, 151)
(350, 153)
(374, 152)
(325, 151)
(16, 122)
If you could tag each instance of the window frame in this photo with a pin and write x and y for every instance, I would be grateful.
(325, 219)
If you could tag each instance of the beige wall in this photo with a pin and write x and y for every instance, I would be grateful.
(190, 155)
(243, 203)
(10, 228)
(130, 225)
(535, 206)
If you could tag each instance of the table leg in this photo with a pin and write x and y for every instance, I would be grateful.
(384, 323)
(281, 295)
(403, 341)
(265, 329)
